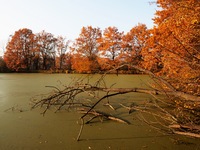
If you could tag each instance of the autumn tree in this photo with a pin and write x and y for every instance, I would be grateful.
(110, 46)
(133, 44)
(85, 49)
(3, 67)
(61, 48)
(46, 44)
(176, 39)
(19, 50)
(68, 62)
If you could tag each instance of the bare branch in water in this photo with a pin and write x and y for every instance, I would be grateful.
(69, 96)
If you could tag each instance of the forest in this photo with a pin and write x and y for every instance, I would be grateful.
(93, 51)
(170, 51)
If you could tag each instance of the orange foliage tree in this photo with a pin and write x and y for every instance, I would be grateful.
(61, 48)
(85, 50)
(134, 43)
(20, 50)
(68, 62)
(109, 47)
(81, 64)
(176, 40)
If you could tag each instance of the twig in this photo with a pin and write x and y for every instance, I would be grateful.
(81, 129)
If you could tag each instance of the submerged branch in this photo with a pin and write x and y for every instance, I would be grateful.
(187, 134)
(104, 115)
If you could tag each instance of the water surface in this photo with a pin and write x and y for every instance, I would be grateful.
(22, 128)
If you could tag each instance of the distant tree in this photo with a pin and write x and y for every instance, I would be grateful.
(19, 50)
(68, 62)
(81, 64)
(61, 48)
(110, 45)
(46, 44)
(133, 43)
(3, 67)
(35, 55)
(86, 48)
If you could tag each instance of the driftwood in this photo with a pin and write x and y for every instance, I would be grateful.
(187, 130)
(100, 115)
(188, 127)
(187, 134)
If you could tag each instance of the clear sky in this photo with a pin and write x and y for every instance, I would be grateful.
(67, 17)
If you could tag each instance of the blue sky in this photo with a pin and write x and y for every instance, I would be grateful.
(67, 17)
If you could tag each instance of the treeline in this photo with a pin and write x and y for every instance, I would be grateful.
(93, 51)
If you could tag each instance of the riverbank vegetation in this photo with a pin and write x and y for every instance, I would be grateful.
(169, 52)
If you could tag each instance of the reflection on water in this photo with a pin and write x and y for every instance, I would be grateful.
(22, 128)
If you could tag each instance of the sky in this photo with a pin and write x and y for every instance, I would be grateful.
(67, 17)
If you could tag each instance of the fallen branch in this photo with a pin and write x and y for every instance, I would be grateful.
(187, 134)
(104, 115)
(190, 127)
(81, 130)
(154, 92)
(68, 97)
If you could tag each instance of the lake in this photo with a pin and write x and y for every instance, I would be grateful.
(24, 129)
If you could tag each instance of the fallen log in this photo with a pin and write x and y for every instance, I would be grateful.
(104, 115)
(187, 134)
(187, 130)
(190, 127)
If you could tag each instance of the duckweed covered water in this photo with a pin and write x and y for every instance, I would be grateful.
(25, 129)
